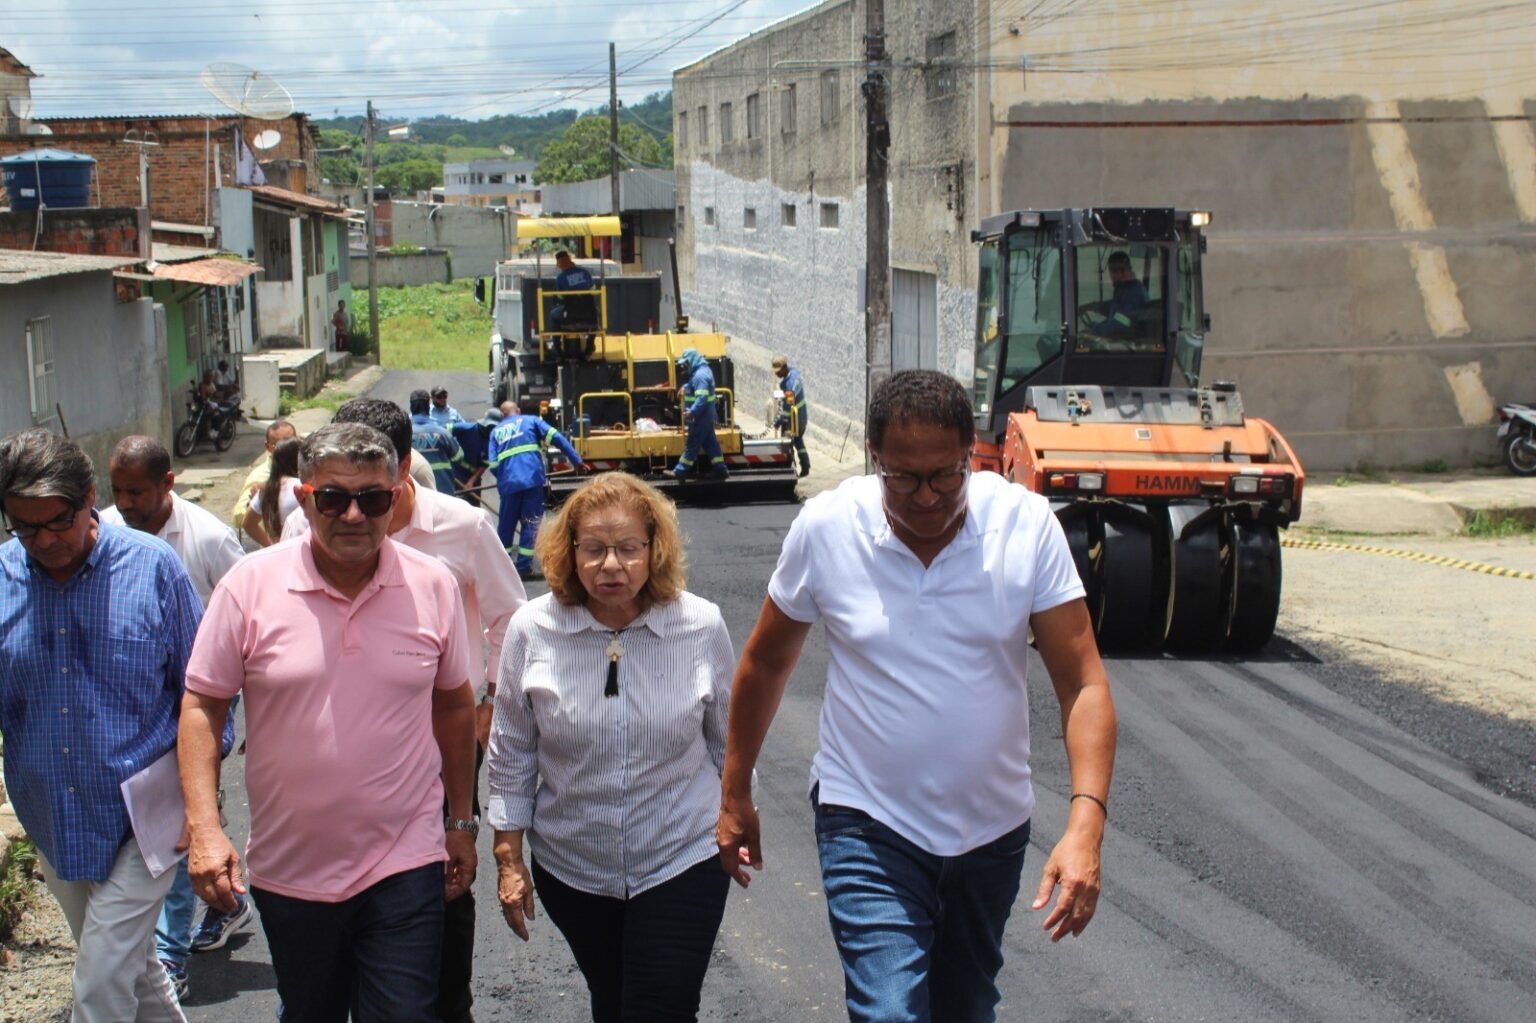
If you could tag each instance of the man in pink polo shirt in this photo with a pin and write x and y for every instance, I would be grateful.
(351, 653)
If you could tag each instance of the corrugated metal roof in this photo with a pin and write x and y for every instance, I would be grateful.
(18, 266)
(165, 252)
(638, 190)
(214, 272)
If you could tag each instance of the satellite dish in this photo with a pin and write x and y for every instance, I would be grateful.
(267, 139)
(21, 106)
(507, 151)
(39, 128)
(247, 92)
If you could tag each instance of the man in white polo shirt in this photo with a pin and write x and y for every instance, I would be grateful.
(144, 498)
(929, 580)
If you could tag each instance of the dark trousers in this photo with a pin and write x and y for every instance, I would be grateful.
(644, 958)
(374, 955)
(454, 999)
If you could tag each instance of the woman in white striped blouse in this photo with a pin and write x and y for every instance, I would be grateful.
(606, 750)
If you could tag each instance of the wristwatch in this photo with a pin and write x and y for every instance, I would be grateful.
(471, 825)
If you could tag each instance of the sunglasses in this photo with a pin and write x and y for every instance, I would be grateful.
(333, 502)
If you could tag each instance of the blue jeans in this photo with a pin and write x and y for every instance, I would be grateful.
(374, 955)
(920, 935)
(173, 932)
(522, 511)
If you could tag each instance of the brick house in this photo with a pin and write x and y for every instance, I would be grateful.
(15, 94)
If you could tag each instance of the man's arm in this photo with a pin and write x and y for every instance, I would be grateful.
(560, 441)
(500, 593)
(1064, 635)
(453, 726)
(212, 862)
(764, 669)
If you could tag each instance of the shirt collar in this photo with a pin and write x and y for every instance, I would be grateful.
(870, 512)
(172, 525)
(660, 619)
(306, 576)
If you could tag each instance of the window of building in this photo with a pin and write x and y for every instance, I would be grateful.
(40, 368)
(703, 120)
(682, 128)
(828, 96)
(498, 179)
(754, 128)
(940, 75)
(727, 125)
(749, 219)
(829, 214)
(788, 214)
(787, 110)
(709, 216)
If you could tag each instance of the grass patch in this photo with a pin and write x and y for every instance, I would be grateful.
(287, 404)
(1496, 523)
(16, 891)
(1434, 465)
(433, 327)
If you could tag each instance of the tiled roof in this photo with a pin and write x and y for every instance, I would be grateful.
(18, 266)
(297, 200)
(11, 66)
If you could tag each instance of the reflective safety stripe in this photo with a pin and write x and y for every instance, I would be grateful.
(521, 449)
(1122, 319)
(527, 551)
(686, 463)
(437, 466)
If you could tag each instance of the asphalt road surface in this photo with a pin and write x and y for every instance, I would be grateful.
(1285, 845)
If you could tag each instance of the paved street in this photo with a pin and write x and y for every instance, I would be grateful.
(1277, 852)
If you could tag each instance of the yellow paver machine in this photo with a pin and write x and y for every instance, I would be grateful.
(591, 361)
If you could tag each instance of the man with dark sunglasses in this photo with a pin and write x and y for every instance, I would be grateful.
(96, 622)
(463, 539)
(360, 720)
(930, 579)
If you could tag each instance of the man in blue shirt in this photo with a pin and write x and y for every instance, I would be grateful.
(473, 439)
(1128, 298)
(794, 398)
(442, 413)
(571, 277)
(437, 446)
(96, 623)
(698, 391)
(515, 455)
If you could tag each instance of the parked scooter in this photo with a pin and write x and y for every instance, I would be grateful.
(207, 418)
(1517, 437)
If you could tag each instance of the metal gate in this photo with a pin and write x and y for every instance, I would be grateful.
(914, 320)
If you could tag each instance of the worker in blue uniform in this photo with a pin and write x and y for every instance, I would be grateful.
(473, 440)
(437, 446)
(793, 389)
(698, 393)
(515, 456)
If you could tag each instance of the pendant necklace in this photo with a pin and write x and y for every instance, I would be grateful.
(614, 652)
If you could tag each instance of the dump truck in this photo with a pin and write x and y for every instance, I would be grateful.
(597, 364)
(1091, 326)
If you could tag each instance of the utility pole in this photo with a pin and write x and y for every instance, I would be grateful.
(373, 289)
(877, 212)
(613, 125)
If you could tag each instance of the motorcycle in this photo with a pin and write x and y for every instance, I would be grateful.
(207, 417)
(1517, 437)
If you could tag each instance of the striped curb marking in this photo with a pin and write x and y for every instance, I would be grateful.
(1427, 559)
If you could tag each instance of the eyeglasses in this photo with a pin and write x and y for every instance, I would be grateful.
(945, 481)
(591, 552)
(333, 502)
(27, 530)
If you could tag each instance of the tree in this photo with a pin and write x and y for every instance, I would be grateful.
(456, 139)
(582, 152)
(410, 175)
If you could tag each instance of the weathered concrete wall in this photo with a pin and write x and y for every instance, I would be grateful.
(109, 366)
(1373, 178)
(799, 288)
(402, 270)
(476, 237)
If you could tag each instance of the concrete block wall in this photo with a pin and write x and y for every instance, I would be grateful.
(477, 237)
(402, 270)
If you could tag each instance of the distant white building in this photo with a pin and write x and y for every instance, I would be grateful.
(499, 182)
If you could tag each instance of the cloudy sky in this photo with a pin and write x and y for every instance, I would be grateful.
(413, 58)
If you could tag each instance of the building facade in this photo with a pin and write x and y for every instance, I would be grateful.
(1371, 172)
